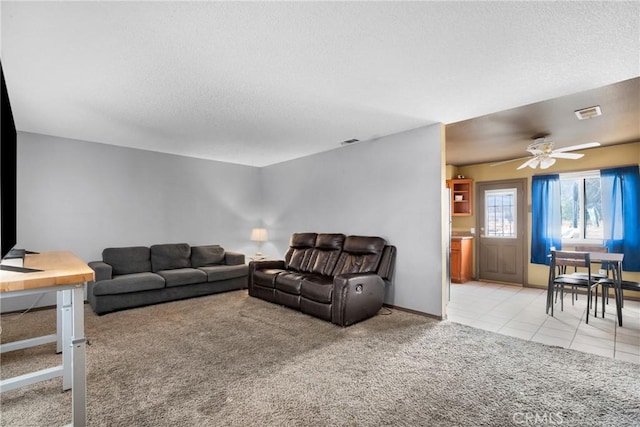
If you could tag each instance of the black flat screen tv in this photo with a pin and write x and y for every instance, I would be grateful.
(8, 160)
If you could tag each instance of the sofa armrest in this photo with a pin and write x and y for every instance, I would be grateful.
(356, 297)
(387, 263)
(264, 264)
(103, 270)
(233, 258)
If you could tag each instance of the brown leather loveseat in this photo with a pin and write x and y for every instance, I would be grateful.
(331, 276)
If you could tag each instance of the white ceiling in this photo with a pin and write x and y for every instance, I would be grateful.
(261, 83)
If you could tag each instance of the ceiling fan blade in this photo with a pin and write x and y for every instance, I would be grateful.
(532, 163)
(508, 161)
(572, 156)
(577, 147)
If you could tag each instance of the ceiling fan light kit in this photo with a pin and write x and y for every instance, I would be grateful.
(547, 162)
(545, 156)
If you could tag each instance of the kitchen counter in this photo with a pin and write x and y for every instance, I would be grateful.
(461, 235)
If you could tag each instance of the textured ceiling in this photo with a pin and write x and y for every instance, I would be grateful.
(260, 83)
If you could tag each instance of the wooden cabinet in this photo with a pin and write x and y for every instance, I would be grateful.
(461, 196)
(461, 259)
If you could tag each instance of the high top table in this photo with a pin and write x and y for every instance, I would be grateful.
(615, 261)
(63, 273)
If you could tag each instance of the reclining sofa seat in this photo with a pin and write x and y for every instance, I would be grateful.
(262, 280)
(316, 268)
(336, 278)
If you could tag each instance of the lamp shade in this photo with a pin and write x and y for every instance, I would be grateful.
(259, 235)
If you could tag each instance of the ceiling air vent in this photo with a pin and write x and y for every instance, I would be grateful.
(587, 113)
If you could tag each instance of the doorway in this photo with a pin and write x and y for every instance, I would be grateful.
(501, 220)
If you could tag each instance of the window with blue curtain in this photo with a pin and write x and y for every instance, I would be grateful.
(546, 217)
(620, 213)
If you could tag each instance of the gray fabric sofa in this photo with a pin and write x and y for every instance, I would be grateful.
(139, 275)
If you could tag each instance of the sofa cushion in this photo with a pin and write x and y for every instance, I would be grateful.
(183, 276)
(266, 277)
(204, 256)
(303, 240)
(224, 272)
(330, 241)
(364, 245)
(170, 256)
(317, 288)
(360, 254)
(299, 252)
(134, 259)
(127, 283)
(325, 253)
(289, 282)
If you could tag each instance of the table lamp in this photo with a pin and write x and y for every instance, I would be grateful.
(259, 235)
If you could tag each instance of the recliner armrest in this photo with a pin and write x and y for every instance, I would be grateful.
(356, 296)
(103, 270)
(233, 258)
(387, 263)
(264, 264)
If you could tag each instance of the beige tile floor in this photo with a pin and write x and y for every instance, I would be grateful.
(520, 312)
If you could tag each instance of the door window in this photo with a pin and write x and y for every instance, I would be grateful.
(500, 213)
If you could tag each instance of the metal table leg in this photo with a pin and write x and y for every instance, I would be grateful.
(78, 342)
(618, 291)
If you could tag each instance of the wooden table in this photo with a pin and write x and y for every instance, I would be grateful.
(63, 273)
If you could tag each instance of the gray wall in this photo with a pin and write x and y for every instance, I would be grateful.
(83, 197)
(390, 187)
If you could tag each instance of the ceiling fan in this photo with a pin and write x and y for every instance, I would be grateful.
(545, 156)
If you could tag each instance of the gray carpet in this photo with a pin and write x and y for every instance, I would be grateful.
(233, 360)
